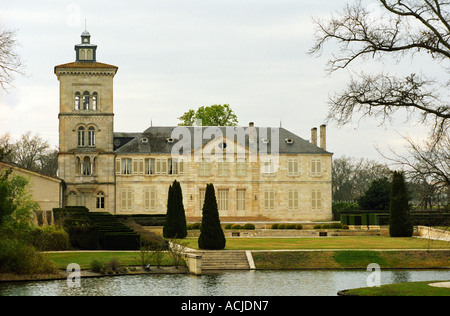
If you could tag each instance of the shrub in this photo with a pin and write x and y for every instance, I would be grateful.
(196, 225)
(249, 226)
(290, 226)
(49, 238)
(17, 256)
(236, 226)
(97, 266)
(113, 265)
(336, 225)
(325, 226)
(318, 226)
(298, 226)
(275, 226)
(83, 236)
(228, 226)
(211, 233)
(175, 225)
(281, 226)
(400, 221)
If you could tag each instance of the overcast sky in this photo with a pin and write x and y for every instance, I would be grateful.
(174, 55)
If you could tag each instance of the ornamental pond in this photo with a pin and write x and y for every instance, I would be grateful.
(223, 283)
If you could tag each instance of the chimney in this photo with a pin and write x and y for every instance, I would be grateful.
(323, 137)
(251, 132)
(314, 136)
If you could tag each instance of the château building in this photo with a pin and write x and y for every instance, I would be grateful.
(258, 173)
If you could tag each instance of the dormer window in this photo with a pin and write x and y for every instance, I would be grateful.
(170, 140)
(289, 141)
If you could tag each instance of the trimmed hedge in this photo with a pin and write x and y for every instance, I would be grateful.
(91, 231)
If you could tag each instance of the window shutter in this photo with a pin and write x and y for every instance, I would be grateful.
(319, 199)
(135, 166)
(118, 170)
(163, 166)
(158, 166)
(124, 199)
(153, 199)
(181, 166)
(141, 166)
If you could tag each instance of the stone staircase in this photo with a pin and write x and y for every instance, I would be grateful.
(224, 260)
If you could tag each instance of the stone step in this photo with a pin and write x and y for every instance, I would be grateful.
(224, 260)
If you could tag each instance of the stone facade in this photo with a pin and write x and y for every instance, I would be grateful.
(258, 173)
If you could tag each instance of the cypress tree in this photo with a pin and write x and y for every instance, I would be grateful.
(211, 233)
(400, 224)
(175, 224)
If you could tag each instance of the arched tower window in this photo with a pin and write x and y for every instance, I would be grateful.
(87, 170)
(77, 100)
(86, 100)
(91, 136)
(94, 101)
(81, 136)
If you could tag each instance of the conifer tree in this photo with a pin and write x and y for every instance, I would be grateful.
(175, 224)
(211, 233)
(400, 224)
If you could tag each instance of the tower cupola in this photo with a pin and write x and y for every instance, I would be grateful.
(86, 52)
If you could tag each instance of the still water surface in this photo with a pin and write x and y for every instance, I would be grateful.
(243, 283)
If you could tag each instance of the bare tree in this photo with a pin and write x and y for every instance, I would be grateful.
(352, 177)
(10, 63)
(30, 152)
(427, 165)
(408, 27)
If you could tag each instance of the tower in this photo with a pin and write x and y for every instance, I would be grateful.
(86, 129)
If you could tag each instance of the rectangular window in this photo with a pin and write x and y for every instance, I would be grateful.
(241, 169)
(269, 199)
(126, 166)
(127, 199)
(204, 168)
(268, 166)
(316, 167)
(161, 166)
(173, 166)
(100, 202)
(150, 199)
(292, 167)
(150, 166)
(240, 199)
(293, 199)
(223, 168)
(222, 200)
(316, 199)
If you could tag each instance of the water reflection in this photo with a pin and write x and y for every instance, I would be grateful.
(243, 283)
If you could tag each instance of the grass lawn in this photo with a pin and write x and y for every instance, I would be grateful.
(401, 289)
(84, 259)
(366, 242)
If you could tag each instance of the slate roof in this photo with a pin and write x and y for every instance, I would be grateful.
(155, 140)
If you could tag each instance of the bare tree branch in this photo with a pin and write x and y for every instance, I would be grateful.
(10, 63)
